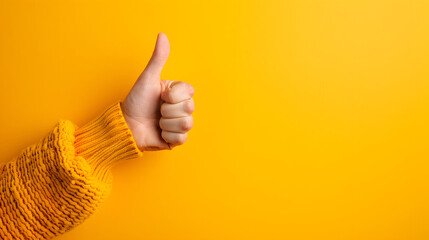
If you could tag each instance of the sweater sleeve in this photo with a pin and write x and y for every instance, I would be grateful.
(56, 184)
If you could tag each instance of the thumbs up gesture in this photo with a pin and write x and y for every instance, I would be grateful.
(158, 112)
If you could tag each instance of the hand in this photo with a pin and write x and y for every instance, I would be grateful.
(158, 112)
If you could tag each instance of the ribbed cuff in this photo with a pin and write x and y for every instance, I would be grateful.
(106, 140)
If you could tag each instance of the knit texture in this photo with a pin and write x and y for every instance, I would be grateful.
(56, 184)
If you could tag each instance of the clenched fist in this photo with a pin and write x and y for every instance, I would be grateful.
(158, 112)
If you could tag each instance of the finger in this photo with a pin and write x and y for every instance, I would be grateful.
(166, 84)
(179, 91)
(174, 138)
(178, 125)
(159, 56)
(177, 110)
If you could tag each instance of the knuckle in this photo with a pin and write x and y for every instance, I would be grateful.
(187, 123)
(189, 106)
(191, 89)
(181, 139)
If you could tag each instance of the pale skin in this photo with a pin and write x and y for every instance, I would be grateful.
(159, 112)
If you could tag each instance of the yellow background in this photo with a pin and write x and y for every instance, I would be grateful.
(311, 117)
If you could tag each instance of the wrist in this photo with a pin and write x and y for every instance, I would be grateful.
(134, 127)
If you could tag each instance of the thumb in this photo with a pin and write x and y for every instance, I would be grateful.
(159, 56)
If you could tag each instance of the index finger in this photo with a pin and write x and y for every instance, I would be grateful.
(179, 91)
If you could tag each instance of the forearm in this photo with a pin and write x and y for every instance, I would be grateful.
(56, 184)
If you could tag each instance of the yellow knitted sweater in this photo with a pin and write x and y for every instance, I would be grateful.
(54, 185)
